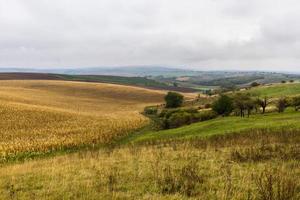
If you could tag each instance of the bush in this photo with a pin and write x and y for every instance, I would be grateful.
(254, 84)
(204, 116)
(168, 112)
(223, 106)
(179, 119)
(173, 100)
(296, 102)
(281, 105)
(208, 105)
(150, 110)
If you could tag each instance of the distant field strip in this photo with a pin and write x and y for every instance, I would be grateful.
(277, 90)
(39, 116)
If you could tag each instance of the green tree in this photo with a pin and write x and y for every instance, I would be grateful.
(173, 100)
(223, 106)
(243, 102)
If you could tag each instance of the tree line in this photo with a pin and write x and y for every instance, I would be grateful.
(243, 104)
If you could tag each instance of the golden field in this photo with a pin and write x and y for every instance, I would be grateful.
(41, 116)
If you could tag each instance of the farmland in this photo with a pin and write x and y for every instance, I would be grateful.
(101, 147)
(42, 116)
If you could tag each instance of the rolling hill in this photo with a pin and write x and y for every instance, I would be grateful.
(40, 116)
(277, 90)
(224, 125)
(123, 80)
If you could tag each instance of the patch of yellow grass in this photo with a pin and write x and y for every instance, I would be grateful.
(147, 172)
(46, 115)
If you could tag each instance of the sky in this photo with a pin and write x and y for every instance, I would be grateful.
(197, 34)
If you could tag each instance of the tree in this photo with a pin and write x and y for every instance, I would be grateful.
(223, 106)
(243, 102)
(173, 100)
(283, 81)
(250, 105)
(296, 102)
(263, 103)
(281, 104)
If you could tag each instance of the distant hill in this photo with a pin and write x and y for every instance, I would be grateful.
(116, 71)
(122, 80)
(156, 76)
(276, 90)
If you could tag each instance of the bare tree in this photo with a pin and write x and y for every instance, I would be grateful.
(263, 103)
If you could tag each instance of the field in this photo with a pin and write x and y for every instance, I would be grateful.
(277, 90)
(123, 80)
(44, 116)
(255, 165)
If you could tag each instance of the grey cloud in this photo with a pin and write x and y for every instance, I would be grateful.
(208, 34)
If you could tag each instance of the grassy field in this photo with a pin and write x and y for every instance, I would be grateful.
(224, 125)
(42, 116)
(277, 90)
(254, 165)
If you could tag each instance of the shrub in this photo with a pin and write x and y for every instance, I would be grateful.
(223, 106)
(173, 100)
(150, 110)
(168, 112)
(204, 116)
(179, 119)
(175, 119)
(281, 104)
(255, 84)
(296, 102)
(208, 105)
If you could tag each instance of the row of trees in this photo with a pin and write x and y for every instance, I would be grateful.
(243, 104)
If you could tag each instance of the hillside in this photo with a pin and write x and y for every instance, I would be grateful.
(78, 140)
(123, 80)
(277, 90)
(224, 125)
(236, 166)
(41, 116)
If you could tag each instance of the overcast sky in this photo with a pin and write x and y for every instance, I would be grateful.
(199, 34)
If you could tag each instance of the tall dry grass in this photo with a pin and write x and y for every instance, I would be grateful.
(173, 170)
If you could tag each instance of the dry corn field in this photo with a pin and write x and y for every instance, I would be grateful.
(41, 116)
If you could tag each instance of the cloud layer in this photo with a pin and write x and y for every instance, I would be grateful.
(206, 34)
